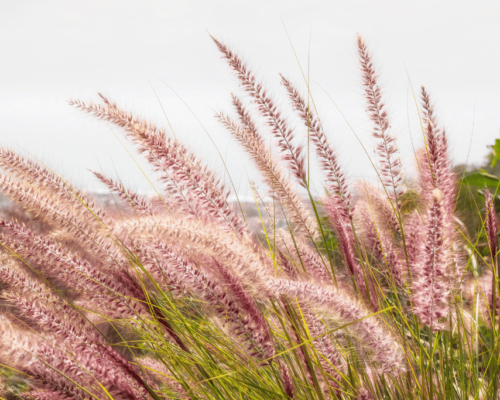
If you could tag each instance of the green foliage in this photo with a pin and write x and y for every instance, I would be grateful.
(494, 156)
(481, 179)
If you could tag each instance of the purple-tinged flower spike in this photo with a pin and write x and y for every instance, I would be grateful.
(330, 359)
(434, 163)
(51, 313)
(106, 290)
(159, 372)
(249, 309)
(235, 306)
(485, 285)
(269, 110)
(48, 208)
(307, 258)
(248, 135)
(342, 225)
(90, 235)
(381, 245)
(45, 395)
(382, 347)
(287, 381)
(138, 203)
(28, 353)
(385, 215)
(491, 223)
(53, 185)
(73, 332)
(431, 286)
(364, 394)
(386, 148)
(198, 239)
(414, 237)
(335, 175)
(176, 163)
(154, 143)
(286, 265)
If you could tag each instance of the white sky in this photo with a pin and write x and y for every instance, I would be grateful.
(52, 50)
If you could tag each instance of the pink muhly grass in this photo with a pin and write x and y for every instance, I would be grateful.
(49, 208)
(364, 394)
(386, 352)
(293, 154)
(177, 164)
(335, 176)
(159, 372)
(30, 354)
(48, 311)
(301, 258)
(436, 173)
(306, 257)
(45, 395)
(98, 285)
(329, 357)
(204, 305)
(202, 239)
(287, 381)
(491, 225)
(486, 287)
(435, 165)
(386, 149)
(431, 287)
(413, 228)
(281, 187)
(384, 214)
(235, 305)
(138, 203)
(287, 265)
(343, 228)
(249, 310)
(42, 177)
(89, 233)
(381, 245)
(74, 332)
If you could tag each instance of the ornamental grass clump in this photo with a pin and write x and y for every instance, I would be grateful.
(359, 294)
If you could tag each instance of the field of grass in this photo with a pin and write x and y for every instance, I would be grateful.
(370, 291)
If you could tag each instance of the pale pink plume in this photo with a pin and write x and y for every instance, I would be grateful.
(293, 154)
(287, 381)
(386, 148)
(180, 168)
(233, 303)
(435, 165)
(139, 203)
(491, 225)
(198, 239)
(335, 175)
(385, 352)
(248, 135)
(380, 244)
(431, 288)
(305, 259)
(41, 177)
(159, 372)
(342, 225)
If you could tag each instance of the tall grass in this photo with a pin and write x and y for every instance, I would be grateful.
(368, 292)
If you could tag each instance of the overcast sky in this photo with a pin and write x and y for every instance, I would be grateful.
(52, 50)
